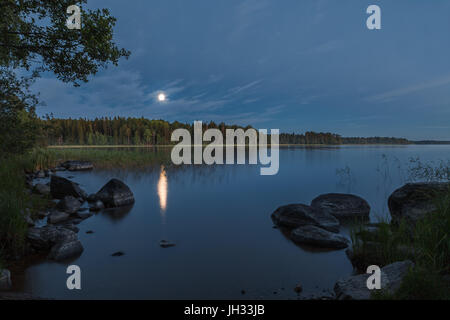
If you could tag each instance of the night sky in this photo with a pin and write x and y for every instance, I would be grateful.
(291, 65)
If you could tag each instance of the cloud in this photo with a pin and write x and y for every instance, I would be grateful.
(391, 95)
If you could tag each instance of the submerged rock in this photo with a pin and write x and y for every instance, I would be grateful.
(166, 244)
(342, 206)
(355, 287)
(296, 215)
(115, 194)
(414, 201)
(315, 236)
(61, 187)
(69, 204)
(65, 250)
(5, 280)
(118, 254)
(77, 165)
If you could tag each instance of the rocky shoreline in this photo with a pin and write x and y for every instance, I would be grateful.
(318, 225)
(54, 232)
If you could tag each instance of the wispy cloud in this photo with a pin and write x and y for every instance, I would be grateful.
(393, 94)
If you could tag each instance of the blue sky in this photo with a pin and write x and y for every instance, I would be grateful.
(290, 64)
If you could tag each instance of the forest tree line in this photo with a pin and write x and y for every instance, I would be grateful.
(142, 131)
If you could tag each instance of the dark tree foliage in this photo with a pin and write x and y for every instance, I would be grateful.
(141, 131)
(34, 38)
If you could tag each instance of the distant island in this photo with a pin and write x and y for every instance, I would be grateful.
(146, 132)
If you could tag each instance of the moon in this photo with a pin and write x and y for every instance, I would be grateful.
(161, 97)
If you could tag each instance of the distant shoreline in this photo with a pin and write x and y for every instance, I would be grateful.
(281, 145)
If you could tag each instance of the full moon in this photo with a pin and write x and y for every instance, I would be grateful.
(161, 97)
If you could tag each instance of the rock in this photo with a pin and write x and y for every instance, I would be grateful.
(115, 194)
(5, 280)
(65, 250)
(69, 204)
(298, 288)
(97, 206)
(84, 215)
(29, 221)
(61, 187)
(414, 201)
(318, 237)
(296, 215)
(71, 227)
(42, 189)
(89, 232)
(57, 217)
(355, 287)
(166, 244)
(77, 165)
(92, 197)
(342, 206)
(59, 168)
(40, 174)
(44, 238)
(118, 254)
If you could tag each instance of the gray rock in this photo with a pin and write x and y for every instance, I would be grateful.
(296, 215)
(115, 194)
(342, 206)
(61, 187)
(414, 201)
(77, 165)
(355, 287)
(5, 280)
(42, 189)
(40, 174)
(315, 236)
(84, 215)
(69, 204)
(65, 250)
(57, 217)
(92, 197)
(44, 238)
(97, 206)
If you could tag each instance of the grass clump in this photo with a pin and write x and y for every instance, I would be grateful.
(102, 158)
(427, 244)
(16, 202)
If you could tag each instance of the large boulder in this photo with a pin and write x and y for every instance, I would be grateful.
(315, 236)
(61, 187)
(296, 215)
(342, 206)
(5, 280)
(65, 250)
(115, 194)
(44, 238)
(77, 165)
(414, 201)
(355, 287)
(69, 204)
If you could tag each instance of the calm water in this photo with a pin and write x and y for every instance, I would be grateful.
(219, 217)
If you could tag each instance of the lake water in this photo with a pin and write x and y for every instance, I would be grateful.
(219, 218)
